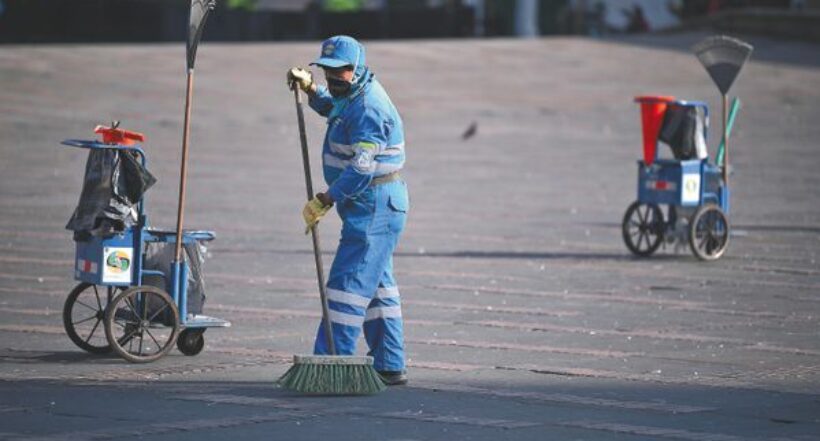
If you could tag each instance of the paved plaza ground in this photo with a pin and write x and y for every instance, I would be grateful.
(526, 317)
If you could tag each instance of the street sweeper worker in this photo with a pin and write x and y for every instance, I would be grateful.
(362, 155)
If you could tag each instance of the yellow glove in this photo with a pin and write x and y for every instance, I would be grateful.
(302, 77)
(313, 211)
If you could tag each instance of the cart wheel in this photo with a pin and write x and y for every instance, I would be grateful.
(709, 232)
(142, 324)
(83, 315)
(643, 228)
(191, 341)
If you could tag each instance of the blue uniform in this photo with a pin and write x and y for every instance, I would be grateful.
(364, 140)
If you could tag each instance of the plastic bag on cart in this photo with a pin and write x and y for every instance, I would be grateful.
(114, 183)
(160, 255)
(683, 130)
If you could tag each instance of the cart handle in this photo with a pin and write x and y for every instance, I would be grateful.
(86, 144)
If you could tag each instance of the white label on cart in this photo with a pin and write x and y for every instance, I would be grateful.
(691, 188)
(117, 265)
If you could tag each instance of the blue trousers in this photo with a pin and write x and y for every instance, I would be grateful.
(361, 289)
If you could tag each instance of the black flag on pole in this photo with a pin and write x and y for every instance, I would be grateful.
(723, 57)
(199, 13)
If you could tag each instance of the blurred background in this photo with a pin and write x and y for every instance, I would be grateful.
(34, 21)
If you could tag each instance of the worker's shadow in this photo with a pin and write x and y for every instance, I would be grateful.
(615, 256)
(527, 255)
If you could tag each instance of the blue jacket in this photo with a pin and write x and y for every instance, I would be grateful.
(364, 139)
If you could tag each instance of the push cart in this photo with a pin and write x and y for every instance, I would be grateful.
(141, 321)
(694, 190)
(114, 307)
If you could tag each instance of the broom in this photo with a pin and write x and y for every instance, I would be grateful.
(326, 374)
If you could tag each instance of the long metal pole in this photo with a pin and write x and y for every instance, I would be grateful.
(725, 141)
(183, 170)
(317, 253)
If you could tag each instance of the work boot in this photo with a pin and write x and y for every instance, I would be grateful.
(394, 378)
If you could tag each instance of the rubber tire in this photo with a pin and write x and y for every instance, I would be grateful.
(702, 211)
(109, 324)
(627, 237)
(191, 341)
(70, 301)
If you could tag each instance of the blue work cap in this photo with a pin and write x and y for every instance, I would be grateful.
(341, 50)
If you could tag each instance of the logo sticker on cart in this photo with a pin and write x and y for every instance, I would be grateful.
(691, 188)
(117, 265)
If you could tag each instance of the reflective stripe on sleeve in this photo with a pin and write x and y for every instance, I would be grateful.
(382, 168)
(349, 149)
(393, 150)
(334, 162)
(342, 149)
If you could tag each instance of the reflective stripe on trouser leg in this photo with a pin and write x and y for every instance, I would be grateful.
(346, 311)
(383, 326)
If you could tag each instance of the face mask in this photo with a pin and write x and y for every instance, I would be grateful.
(338, 88)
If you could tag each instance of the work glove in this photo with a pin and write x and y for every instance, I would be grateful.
(314, 210)
(302, 77)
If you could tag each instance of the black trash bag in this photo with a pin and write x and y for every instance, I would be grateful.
(678, 131)
(160, 255)
(114, 182)
(135, 179)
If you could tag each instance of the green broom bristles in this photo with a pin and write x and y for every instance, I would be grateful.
(332, 375)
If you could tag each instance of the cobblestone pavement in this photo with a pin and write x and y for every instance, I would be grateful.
(526, 316)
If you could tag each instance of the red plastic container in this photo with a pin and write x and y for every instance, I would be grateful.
(119, 136)
(652, 110)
